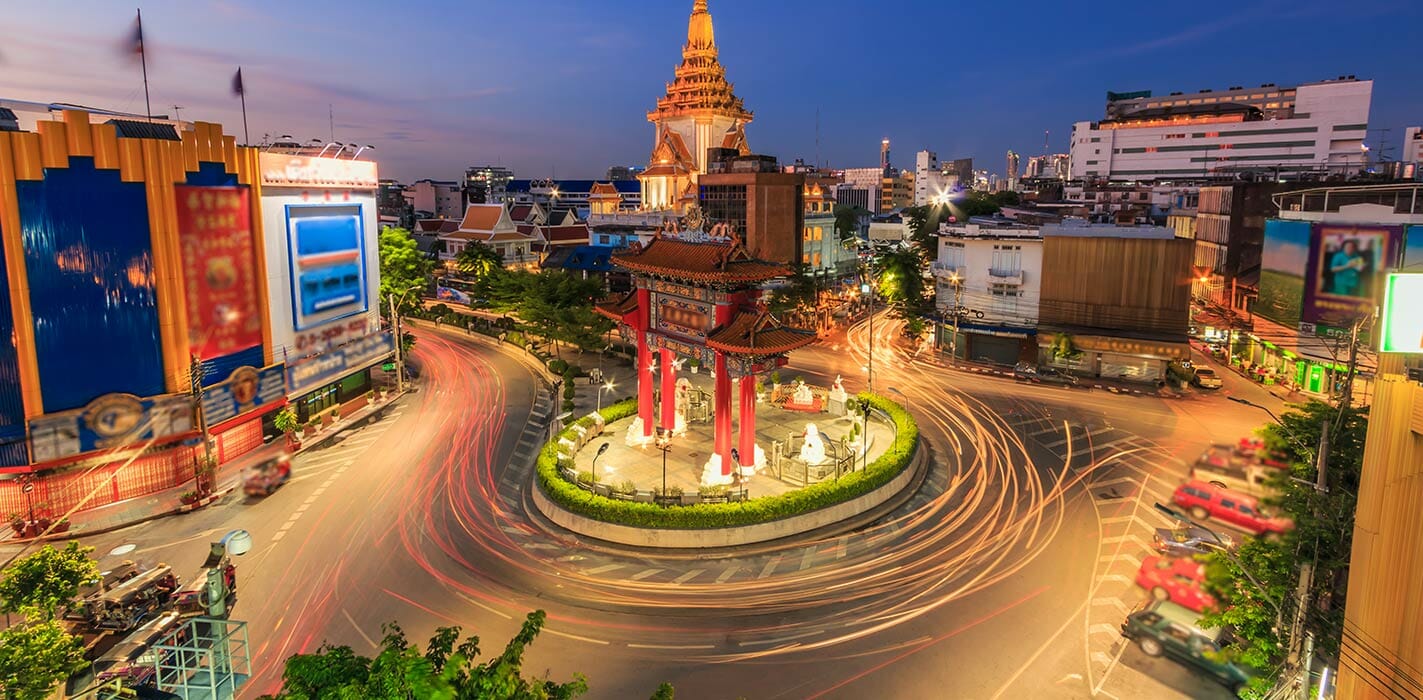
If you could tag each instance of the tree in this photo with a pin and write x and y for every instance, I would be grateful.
(38, 585)
(448, 669)
(478, 259)
(35, 657)
(900, 282)
(1261, 609)
(799, 294)
(403, 269)
(847, 222)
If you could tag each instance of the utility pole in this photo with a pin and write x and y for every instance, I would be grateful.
(399, 359)
(958, 306)
(196, 372)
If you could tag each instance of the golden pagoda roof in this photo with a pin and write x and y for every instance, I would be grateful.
(700, 85)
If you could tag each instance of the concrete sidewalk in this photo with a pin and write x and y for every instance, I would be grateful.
(169, 502)
(1110, 385)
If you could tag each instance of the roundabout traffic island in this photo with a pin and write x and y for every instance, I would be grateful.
(597, 479)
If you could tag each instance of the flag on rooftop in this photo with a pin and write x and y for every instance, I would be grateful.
(237, 88)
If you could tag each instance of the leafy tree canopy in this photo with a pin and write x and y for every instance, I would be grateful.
(34, 658)
(41, 583)
(448, 669)
(403, 268)
(478, 260)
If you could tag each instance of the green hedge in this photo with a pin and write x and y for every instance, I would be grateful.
(714, 515)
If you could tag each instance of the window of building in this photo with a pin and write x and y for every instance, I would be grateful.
(1007, 259)
(815, 260)
(1272, 105)
(952, 254)
(604, 239)
(819, 233)
(805, 258)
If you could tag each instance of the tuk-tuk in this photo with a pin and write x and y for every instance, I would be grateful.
(266, 477)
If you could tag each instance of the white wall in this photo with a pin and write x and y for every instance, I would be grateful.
(974, 261)
(285, 335)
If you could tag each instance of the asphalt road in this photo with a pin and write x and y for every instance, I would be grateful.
(1004, 576)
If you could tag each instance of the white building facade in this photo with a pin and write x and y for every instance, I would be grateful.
(992, 275)
(1311, 127)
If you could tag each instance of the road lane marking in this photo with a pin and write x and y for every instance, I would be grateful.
(805, 560)
(573, 636)
(280, 534)
(359, 631)
(730, 571)
(645, 573)
(671, 646)
(1105, 629)
(778, 640)
(770, 566)
(1113, 602)
(688, 576)
(602, 569)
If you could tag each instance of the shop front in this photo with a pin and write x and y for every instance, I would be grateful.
(337, 382)
(1105, 357)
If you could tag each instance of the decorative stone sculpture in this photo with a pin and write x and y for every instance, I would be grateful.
(813, 451)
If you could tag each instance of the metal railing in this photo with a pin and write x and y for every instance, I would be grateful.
(1404, 198)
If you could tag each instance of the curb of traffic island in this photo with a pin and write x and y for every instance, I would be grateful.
(741, 535)
(544, 374)
(992, 372)
(227, 486)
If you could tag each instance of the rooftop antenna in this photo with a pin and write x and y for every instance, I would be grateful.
(177, 113)
(331, 118)
(1046, 148)
(817, 137)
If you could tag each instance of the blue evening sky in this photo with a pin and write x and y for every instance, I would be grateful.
(563, 86)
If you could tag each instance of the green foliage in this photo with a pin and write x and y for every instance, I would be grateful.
(664, 692)
(36, 657)
(847, 222)
(285, 420)
(554, 304)
(448, 669)
(39, 584)
(1063, 347)
(712, 515)
(1324, 526)
(557, 366)
(900, 283)
(799, 294)
(403, 269)
(478, 260)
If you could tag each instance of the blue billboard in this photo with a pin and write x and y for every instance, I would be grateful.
(112, 420)
(311, 373)
(246, 389)
(326, 246)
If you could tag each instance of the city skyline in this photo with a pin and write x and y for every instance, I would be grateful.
(569, 97)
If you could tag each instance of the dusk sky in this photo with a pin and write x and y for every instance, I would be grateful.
(562, 87)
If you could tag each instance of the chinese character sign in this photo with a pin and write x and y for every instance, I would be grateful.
(219, 269)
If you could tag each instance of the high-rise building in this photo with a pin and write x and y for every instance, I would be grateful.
(871, 180)
(486, 183)
(1413, 145)
(436, 199)
(896, 190)
(1316, 127)
(624, 172)
(1012, 169)
(762, 205)
(698, 112)
(884, 155)
(929, 179)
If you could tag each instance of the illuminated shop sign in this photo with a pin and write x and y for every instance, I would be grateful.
(248, 388)
(282, 170)
(328, 263)
(1401, 322)
(112, 420)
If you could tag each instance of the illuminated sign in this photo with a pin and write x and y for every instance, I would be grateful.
(282, 170)
(112, 420)
(338, 362)
(1402, 324)
(248, 388)
(328, 267)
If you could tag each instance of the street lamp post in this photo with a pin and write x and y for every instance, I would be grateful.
(601, 449)
(893, 390)
(958, 301)
(664, 443)
(869, 291)
(395, 326)
(608, 387)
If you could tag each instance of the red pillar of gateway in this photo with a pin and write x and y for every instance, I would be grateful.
(747, 426)
(645, 408)
(722, 413)
(669, 391)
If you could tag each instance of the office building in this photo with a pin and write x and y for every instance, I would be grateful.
(486, 183)
(868, 180)
(1312, 127)
(436, 199)
(1013, 160)
(896, 190)
(752, 199)
(1413, 145)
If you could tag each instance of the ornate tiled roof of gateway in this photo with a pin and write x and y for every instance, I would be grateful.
(700, 85)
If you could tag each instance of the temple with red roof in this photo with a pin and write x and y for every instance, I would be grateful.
(696, 296)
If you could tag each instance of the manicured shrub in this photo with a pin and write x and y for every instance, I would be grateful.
(714, 515)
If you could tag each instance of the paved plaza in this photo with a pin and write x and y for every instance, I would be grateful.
(690, 451)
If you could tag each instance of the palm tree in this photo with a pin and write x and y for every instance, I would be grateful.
(478, 259)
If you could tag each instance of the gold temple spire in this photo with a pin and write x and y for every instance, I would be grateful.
(699, 27)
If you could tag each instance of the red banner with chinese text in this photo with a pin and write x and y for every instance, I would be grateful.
(219, 270)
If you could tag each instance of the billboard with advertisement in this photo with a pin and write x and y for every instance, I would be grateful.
(337, 362)
(112, 420)
(1400, 320)
(1413, 249)
(326, 248)
(452, 294)
(247, 388)
(219, 269)
(1321, 277)
(1347, 263)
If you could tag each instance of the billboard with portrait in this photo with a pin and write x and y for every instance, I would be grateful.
(1347, 263)
(328, 263)
(219, 269)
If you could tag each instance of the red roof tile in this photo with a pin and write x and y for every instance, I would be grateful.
(481, 217)
(566, 234)
(705, 262)
(757, 333)
(617, 308)
(520, 212)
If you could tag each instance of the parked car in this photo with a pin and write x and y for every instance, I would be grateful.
(1177, 579)
(1225, 468)
(1206, 378)
(1188, 540)
(1040, 375)
(1233, 507)
(1163, 628)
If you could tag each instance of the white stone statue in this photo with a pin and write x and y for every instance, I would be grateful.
(837, 390)
(813, 451)
(803, 395)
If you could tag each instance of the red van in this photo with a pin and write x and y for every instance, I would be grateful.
(1233, 507)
